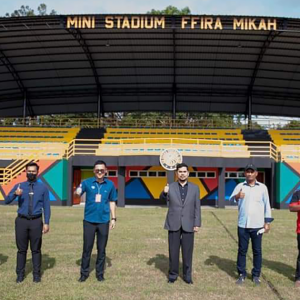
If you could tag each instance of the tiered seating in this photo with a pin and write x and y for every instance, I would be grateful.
(193, 142)
(285, 137)
(35, 142)
(37, 134)
(178, 135)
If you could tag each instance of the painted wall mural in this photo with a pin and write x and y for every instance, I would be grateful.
(287, 182)
(143, 185)
(54, 173)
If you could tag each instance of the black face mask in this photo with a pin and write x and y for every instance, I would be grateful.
(31, 176)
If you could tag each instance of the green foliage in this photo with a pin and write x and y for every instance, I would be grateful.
(22, 12)
(42, 9)
(204, 120)
(171, 10)
(292, 125)
(26, 11)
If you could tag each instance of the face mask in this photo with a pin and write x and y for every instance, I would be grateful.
(31, 177)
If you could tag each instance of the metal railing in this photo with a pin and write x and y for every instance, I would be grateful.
(189, 147)
(13, 170)
(25, 152)
(289, 153)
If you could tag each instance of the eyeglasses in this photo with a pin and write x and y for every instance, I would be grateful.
(101, 171)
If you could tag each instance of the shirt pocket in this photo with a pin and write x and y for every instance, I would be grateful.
(105, 195)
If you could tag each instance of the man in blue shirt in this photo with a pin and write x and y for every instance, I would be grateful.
(33, 200)
(254, 219)
(101, 197)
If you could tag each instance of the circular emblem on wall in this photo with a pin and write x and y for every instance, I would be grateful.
(169, 158)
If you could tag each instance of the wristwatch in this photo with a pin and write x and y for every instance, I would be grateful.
(114, 219)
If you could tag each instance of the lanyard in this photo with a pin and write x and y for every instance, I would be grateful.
(99, 186)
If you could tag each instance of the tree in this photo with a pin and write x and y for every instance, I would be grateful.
(170, 10)
(26, 11)
(294, 124)
(42, 9)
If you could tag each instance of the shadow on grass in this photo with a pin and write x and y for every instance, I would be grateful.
(48, 262)
(3, 259)
(224, 264)
(280, 268)
(161, 262)
(108, 263)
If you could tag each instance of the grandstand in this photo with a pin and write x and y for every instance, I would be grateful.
(51, 65)
(133, 144)
(37, 134)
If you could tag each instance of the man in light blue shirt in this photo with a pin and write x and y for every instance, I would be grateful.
(254, 219)
(100, 205)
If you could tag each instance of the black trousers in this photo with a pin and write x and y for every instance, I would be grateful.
(89, 232)
(29, 230)
(297, 275)
(186, 241)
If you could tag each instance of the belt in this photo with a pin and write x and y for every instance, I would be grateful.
(29, 217)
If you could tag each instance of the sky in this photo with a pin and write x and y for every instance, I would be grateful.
(274, 8)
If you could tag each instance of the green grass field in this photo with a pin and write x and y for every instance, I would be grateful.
(137, 259)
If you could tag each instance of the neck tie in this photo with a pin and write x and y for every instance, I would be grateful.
(30, 204)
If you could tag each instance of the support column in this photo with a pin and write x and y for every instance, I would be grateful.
(121, 186)
(221, 188)
(249, 111)
(170, 176)
(174, 106)
(70, 182)
(273, 202)
(24, 105)
(99, 112)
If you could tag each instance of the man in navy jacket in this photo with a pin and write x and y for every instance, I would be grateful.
(33, 201)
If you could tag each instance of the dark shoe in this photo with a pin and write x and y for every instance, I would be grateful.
(100, 278)
(37, 279)
(188, 281)
(19, 279)
(83, 278)
(240, 280)
(256, 280)
(171, 280)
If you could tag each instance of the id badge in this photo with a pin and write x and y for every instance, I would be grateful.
(98, 198)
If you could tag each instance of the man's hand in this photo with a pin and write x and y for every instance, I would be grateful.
(196, 229)
(18, 191)
(78, 191)
(166, 189)
(112, 224)
(267, 227)
(46, 228)
(240, 195)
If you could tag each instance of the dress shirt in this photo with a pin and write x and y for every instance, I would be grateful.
(98, 212)
(183, 191)
(254, 209)
(40, 203)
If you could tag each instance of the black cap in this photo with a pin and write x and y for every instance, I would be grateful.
(251, 166)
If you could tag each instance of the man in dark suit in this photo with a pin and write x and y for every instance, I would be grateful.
(183, 220)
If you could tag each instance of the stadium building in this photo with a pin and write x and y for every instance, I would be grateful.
(141, 63)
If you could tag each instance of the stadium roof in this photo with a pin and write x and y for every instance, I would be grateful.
(51, 64)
